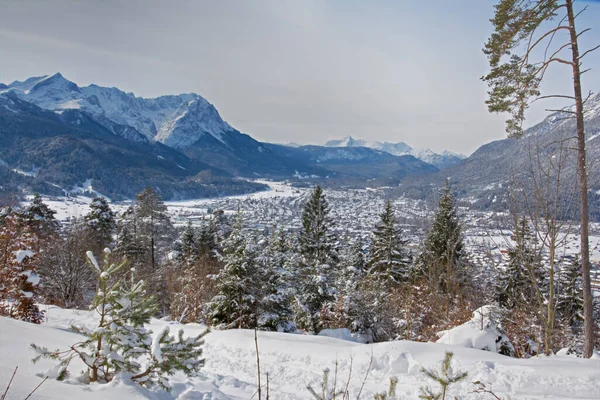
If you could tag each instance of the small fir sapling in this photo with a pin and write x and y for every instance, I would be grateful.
(120, 344)
(445, 378)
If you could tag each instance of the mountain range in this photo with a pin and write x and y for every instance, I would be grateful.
(441, 161)
(194, 149)
(58, 137)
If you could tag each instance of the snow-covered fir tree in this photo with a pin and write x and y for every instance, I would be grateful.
(441, 260)
(349, 308)
(40, 220)
(317, 242)
(128, 245)
(569, 306)
(181, 275)
(210, 234)
(120, 343)
(100, 225)
(317, 267)
(186, 246)
(275, 270)
(390, 260)
(514, 284)
(238, 283)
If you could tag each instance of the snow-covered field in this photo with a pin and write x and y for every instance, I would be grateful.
(293, 361)
(78, 206)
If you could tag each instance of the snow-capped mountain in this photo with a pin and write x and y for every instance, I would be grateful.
(397, 149)
(441, 161)
(189, 129)
(185, 122)
(178, 121)
(55, 152)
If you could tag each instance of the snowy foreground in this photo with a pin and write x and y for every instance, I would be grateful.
(293, 362)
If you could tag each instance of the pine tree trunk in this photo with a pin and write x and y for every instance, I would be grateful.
(583, 191)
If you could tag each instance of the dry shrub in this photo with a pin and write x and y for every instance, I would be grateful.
(190, 288)
(524, 330)
(419, 313)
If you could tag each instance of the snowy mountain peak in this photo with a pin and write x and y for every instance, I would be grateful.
(27, 83)
(176, 120)
(348, 141)
(56, 80)
(191, 121)
(448, 153)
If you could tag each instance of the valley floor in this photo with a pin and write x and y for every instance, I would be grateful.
(293, 361)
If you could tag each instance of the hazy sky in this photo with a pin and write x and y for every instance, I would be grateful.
(303, 71)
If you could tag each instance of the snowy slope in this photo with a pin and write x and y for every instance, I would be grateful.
(167, 118)
(294, 361)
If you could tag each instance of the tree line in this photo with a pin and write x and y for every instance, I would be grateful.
(226, 275)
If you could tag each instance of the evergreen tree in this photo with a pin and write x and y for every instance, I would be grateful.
(317, 268)
(153, 221)
(208, 237)
(317, 243)
(236, 303)
(350, 309)
(441, 260)
(275, 274)
(130, 247)
(187, 246)
(100, 225)
(39, 219)
(389, 259)
(120, 342)
(515, 284)
(518, 64)
(570, 298)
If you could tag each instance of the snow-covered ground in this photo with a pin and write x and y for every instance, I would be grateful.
(294, 361)
(76, 207)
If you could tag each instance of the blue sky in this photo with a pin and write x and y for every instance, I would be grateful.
(303, 71)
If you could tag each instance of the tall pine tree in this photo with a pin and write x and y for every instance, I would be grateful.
(317, 267)
(100, 225)
(238, 283)
(570, 297)
(154, 223)
(441, 261)
(40, 221)
(389, 258)
(275, 273)
(515, 284)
